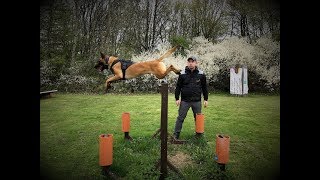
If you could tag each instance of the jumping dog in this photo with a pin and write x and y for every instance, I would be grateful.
(124, 69)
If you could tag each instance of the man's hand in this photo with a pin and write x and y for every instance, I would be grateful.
(178, 102)
(205, 104)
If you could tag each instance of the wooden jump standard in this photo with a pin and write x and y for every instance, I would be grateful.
(164, 134)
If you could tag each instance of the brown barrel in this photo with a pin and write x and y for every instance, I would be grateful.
(125, 122)
(105, 149)
(200, 123)
(222, 148)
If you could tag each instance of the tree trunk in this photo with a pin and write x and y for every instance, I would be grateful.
(154, 22)
(146, 37)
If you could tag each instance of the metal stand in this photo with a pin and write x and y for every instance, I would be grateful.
(222, 167)
(105, 171)
(127, 136)
(199, 135)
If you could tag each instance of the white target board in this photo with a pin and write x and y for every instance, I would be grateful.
(239, 81)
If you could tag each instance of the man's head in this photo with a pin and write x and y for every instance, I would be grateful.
(192, 62)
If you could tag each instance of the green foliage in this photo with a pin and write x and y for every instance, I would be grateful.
(183, 43)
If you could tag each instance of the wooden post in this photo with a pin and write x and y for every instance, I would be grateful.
(164, 127)
(163, 162)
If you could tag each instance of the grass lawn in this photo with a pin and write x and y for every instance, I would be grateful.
(70, 125)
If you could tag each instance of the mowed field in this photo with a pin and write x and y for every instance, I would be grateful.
(70, 125)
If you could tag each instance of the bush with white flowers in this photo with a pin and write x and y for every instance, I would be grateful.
(262, 58)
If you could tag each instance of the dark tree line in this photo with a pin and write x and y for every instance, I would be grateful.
(73, 32)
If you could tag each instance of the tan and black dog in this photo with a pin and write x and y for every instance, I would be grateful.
(124, 69)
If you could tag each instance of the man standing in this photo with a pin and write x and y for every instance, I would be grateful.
(191, 84)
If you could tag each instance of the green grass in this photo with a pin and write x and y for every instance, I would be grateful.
(70, 125)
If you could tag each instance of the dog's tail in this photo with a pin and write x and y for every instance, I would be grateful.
(168, 53)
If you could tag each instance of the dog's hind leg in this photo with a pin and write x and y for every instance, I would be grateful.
(174, 69)
(169, 69)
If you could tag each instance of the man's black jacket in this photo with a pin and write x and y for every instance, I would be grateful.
(191, 85)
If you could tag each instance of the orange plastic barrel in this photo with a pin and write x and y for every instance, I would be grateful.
(105, 149)
(222, 148)
(200, 123)
(125, 122)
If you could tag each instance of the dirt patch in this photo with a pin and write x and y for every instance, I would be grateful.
(180, 160)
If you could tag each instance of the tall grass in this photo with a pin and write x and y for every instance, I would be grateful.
(70, 125)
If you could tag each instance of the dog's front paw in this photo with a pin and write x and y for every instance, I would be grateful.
(107, 87)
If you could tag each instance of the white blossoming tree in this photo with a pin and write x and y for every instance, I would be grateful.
(262, 59)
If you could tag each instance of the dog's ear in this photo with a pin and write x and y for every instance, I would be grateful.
(102, 55)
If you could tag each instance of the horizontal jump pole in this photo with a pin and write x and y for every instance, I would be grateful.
(48, 92)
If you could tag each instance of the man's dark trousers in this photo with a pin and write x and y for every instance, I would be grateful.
(183, 111)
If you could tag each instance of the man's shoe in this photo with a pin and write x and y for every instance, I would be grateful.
(176, 135)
